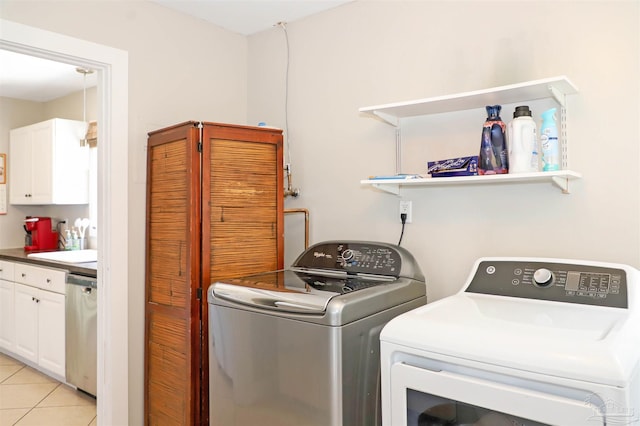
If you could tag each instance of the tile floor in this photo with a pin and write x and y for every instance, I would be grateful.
(30, 398)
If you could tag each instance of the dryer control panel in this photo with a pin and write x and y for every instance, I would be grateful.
(545, 280)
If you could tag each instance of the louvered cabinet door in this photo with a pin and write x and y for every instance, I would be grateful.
(172, 307)
(244, 195)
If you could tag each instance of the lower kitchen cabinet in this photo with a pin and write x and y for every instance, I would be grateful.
(7, 316)
(26, 322)
(51, 332)
(7, 323)
(39, 318)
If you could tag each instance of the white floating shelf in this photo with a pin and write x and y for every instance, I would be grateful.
(392, 185)
(556, 87)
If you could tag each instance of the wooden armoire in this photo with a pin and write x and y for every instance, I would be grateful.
(214, 211)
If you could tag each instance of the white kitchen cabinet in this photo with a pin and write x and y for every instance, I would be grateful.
(47, 165)
(39, 315)
(7, 315)
(556, 87)
(7, 312)
(51, 332)
(26, 322)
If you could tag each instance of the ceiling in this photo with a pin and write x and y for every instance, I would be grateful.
(250, 16)
(40, 80)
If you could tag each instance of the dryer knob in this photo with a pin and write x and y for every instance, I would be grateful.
(542, 277)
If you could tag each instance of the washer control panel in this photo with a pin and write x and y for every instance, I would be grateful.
(561, 282)
(353, 257)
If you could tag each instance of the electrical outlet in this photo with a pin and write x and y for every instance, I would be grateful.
(405, 208)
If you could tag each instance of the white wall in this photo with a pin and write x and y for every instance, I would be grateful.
(375, 52)
(180, 69)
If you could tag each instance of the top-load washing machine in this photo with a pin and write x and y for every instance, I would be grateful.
(300, 347)
(525, 342)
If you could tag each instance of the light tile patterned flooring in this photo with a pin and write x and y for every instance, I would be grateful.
(30, 398)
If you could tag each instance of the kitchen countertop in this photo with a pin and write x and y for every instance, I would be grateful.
(19, 255)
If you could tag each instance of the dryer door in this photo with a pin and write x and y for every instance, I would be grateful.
(421, 397)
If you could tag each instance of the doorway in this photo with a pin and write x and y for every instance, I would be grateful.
(112, 67)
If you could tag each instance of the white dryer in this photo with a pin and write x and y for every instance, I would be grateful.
(527, 341)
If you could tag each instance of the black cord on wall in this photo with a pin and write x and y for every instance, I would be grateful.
(403, 218)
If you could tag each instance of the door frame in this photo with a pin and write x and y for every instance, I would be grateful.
(112, 67)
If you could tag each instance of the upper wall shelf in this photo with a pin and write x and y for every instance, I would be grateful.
(556, 87)
(560, 178)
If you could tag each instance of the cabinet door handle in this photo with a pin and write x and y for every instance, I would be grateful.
(23, 275)
(33, 299)
(48, 280)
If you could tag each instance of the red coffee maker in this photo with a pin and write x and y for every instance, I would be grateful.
(42, 236)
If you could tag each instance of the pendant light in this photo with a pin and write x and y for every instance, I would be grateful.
(82, 132)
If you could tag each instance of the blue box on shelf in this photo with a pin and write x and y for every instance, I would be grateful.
(462, 166)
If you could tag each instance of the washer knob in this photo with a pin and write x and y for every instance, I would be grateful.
(348, 254)
(542, 277)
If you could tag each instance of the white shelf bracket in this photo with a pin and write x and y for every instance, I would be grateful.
(558, 96)
(388, 118)
(562, 182)
(390, 188)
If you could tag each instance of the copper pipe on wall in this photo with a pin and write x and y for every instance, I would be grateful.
(306, 223)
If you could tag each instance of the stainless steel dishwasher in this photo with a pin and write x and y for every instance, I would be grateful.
(81, 332)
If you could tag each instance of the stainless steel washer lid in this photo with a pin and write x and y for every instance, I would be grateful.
(310, 304)
(280, 290)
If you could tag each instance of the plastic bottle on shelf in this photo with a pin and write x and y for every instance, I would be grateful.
(493, 158)
(549, 141)
(522, 141)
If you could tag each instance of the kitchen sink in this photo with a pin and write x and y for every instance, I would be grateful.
(68, 256)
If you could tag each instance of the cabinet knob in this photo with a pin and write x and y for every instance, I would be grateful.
(23, 275)
(48, 280)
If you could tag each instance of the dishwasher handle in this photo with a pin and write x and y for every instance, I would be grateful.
(82, 280)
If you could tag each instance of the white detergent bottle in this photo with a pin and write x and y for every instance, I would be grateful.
(523, 142)
(549, 142)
